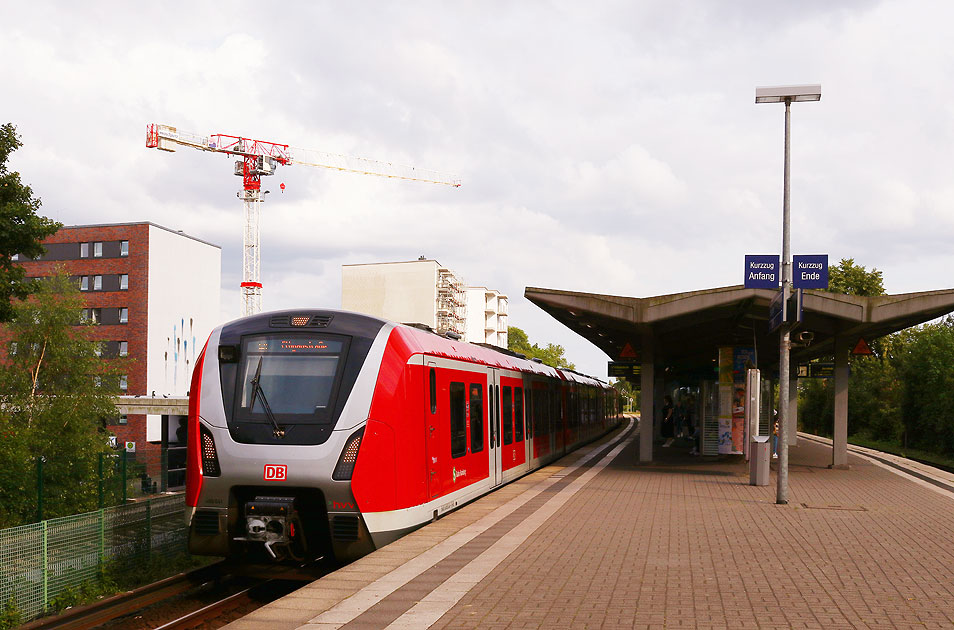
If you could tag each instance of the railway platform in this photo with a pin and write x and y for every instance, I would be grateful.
(597, 541)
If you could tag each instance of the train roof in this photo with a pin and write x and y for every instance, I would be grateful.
(420, 339)
(430, 342)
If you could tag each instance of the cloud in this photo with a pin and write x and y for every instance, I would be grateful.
(611, 148)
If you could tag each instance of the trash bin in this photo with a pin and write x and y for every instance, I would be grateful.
(759, 453)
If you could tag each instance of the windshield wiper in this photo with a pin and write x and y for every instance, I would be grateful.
(258, 391)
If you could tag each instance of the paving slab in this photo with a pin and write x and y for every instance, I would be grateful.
(683, 542)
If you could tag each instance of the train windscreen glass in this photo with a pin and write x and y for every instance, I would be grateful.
(292, 374)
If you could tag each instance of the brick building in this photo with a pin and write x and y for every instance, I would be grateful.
(154, 293)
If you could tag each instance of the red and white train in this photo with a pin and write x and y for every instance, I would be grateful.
(319, 432)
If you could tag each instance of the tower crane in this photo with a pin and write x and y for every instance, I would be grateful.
(257, 158)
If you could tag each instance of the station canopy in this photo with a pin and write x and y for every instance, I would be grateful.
(686, 329)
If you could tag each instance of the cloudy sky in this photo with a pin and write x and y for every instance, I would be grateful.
(608, 147)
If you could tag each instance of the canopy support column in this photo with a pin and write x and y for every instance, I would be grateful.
(647, 395)
(839, 453)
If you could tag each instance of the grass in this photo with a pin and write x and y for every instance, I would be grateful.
(119, 576)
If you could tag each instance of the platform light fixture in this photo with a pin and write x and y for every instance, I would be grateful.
(790, 93)
(787, 94)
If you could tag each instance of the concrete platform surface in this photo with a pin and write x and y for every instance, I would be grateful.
(596, 541)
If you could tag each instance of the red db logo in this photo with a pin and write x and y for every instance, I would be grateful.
(276, 472)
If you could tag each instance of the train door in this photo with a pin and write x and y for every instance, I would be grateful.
(496, 458)
(432, 432)
(513, 447)
(540, 406)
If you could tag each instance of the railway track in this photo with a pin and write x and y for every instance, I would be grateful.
(240, 603)
(93, 615)
(230, 588)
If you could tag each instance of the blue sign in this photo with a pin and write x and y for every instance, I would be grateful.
(761, 272)
(810, 271)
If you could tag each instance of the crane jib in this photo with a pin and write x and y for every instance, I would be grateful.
(260, 158)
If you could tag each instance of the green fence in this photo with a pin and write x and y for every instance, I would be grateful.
(38, 562)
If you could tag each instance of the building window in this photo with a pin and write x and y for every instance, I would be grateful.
(124, 248)
(123, 419)
(123, 315)
(84, 283)
(97, 250)
(124, 282)
(84, 250)
(13, 347)
(123, 348)
(123, 383)
(97, 283)
(98, 349)
(96, 315)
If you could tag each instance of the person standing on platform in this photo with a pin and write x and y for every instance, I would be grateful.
(668, 422)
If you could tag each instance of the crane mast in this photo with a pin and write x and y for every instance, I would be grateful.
(257, 159)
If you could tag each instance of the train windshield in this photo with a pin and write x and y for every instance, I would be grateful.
(292, 375)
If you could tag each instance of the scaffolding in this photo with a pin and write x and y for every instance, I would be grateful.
(451, 302)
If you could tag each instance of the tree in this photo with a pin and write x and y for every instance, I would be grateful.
(21, 228)
(927, 382)
(552, 354)
(850, 279)
(55, 393)
(870, 404)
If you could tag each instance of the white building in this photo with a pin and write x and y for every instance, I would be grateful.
(486, 316)
(424, 292)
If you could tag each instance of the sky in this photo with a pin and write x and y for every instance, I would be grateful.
(602, 147)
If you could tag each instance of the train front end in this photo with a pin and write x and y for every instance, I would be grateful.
(277, 410)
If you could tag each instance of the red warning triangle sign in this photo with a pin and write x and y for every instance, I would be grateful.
(862, 347)
(627, 352)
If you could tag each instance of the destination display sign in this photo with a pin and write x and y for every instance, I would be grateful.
(274, 344)
(623, 369)
(761, 271)
(810, 271)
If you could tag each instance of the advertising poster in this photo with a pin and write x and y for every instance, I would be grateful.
(725, 419)
(741, 359)
(726, 388)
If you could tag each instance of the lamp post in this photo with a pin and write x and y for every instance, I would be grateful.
(787, 94)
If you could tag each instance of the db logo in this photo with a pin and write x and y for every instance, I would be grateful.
(276, 472)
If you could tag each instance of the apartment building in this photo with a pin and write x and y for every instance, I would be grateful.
(154, 295)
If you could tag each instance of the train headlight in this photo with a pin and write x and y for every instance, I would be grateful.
(349, 455)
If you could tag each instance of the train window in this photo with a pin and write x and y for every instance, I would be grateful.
(518, 414)
(458, 420)
(295, 374)
(531, 409)
(433, 378)
(507, 415)
(476, 417)
(540, 410)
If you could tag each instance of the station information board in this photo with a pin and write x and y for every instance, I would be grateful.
(623, 369)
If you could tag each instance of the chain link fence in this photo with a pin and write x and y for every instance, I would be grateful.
(38, 562)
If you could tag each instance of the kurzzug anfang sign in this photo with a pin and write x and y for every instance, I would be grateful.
(810, 271)
(761, 271)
